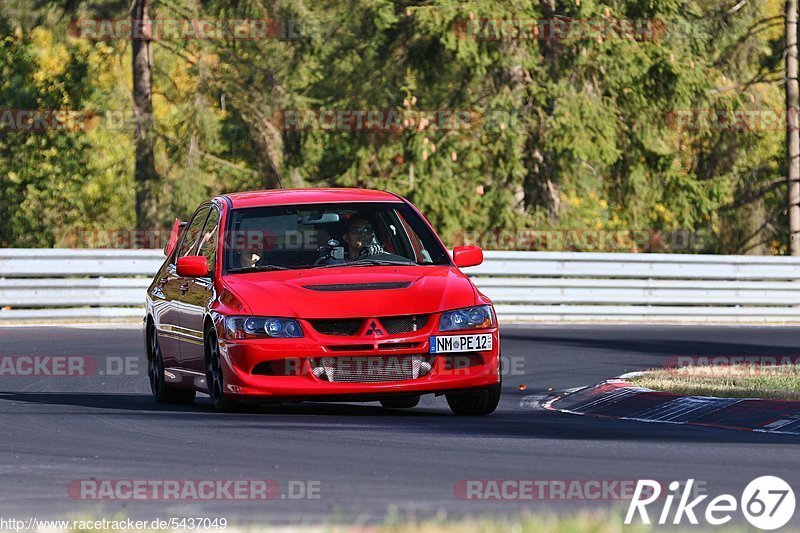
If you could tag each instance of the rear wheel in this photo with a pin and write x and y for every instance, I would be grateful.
(402, 402)
(482, 402)
(162, 393)
(215, 380)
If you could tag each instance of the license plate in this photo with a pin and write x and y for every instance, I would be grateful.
(461, 343)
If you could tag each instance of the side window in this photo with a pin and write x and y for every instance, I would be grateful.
(189, 242)
(417, 248)
(390, 230)
(208, 242)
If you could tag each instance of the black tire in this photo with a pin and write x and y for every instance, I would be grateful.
(478, 403)
(401, 402)
(215, 377)
(163, 393)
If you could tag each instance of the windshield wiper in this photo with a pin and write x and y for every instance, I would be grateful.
(368, 262)
(257, 268)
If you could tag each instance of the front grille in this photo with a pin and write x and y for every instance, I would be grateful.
(398, 346)
(371, 369)
(404, 324)
(350, 347)
(338, 326)
(351, 326)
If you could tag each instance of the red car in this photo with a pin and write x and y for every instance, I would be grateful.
(319, 294)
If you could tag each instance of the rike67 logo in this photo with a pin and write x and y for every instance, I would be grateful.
(767, 503)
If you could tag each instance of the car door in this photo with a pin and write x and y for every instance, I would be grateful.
(165, 295)
(200, 294)
(187, 337)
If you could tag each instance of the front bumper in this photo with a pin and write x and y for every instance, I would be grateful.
(244, 362)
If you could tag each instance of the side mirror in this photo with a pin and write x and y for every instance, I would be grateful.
(192, 266)
(467, 256)
(177, 227)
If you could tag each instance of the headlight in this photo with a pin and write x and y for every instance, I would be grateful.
(478, 317)
(250, 327)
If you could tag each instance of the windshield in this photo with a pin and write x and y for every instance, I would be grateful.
(324, 235)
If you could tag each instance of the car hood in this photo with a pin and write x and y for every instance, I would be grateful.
(353, 292)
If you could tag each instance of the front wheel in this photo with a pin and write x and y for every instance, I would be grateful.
(215, 380)
(162, 393)
(482, 402)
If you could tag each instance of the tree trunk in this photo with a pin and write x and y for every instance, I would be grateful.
(792, 132)
(145, 177)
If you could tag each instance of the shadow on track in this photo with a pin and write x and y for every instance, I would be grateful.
(143, 403)
(656, 345)
(529, 424)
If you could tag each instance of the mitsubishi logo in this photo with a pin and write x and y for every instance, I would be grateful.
(373, 329)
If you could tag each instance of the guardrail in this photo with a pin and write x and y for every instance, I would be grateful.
(37, 284)
(552, 287)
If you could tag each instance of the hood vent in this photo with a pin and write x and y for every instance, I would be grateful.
(341, 287)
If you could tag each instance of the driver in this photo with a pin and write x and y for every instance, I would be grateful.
(360, 239)
(249, 258)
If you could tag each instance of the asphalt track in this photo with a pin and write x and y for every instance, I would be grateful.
(370, 463)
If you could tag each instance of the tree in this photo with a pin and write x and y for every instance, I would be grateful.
(573, 130)
(145, 177)
(792, 133)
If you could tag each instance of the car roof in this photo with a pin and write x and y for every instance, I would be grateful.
(308, 196)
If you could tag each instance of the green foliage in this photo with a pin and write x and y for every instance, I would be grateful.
(571, 133)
